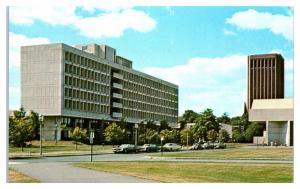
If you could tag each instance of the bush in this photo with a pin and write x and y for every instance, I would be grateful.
(237, 136)
(254, 129)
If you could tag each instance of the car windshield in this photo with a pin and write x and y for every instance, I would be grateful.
(146, 145)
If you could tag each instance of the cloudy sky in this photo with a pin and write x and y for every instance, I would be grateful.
(202, 49)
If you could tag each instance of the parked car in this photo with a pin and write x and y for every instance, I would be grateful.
(125, 148)
(149, 148)
(219, 145)
(208, 146)
(171, 147)
(196, 146)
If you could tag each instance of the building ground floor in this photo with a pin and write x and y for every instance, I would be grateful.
(277, 133)
(61, 128)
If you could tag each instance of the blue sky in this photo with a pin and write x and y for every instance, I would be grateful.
(202, 49)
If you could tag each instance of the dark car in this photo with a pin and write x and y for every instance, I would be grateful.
(196, 146)
(125, 148)
(149, 148)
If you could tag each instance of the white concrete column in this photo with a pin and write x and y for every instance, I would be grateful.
(267, 133)
(287, 137)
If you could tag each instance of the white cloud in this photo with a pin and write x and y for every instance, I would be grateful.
(18, 40)
(253, 20)
(218, 83)
(228, 32)
(113, 24)
(53, 15)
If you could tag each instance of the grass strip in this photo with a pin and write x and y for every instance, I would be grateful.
(182, 172)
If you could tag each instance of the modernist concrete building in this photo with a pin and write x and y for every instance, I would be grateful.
(278, 116)
(265, 77)
(265, 100)
(89, 84)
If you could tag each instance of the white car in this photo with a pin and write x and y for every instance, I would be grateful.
(171, 147)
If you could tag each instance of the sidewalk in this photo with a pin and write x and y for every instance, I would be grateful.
(65, 173)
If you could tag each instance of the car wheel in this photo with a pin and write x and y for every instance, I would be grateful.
(147, 150)
(125, 151)
(171, 149)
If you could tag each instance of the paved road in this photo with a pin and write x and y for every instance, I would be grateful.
(58, 169)
(144, 157)
(62, 172)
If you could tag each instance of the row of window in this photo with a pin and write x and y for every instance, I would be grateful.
(86, 106)
(150, 99)
(87, 85)
(86, 62)
(149, 91)
(87, 74)
(142, 105)
(84, 95)
(148, 82)
(148, 115)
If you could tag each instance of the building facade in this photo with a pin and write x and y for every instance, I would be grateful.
(265, 77)
(278, 117)
(89, 84)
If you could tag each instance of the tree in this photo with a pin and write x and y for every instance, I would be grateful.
(212, 135)
(113, 133)
(78, 135)
(237, 136)
(224, 118)
(186, 135)
(170, 135)
(21, 130)
(223, 135)
(18, 114)
(163, 125)
(150, 136)
(254, 129)
(206, 121)
(189, 116)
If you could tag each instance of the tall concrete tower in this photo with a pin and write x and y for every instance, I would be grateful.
(265, 77)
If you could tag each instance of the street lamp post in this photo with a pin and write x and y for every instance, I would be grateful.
(161, 147)
(136, 126)
(92, 135)
(41, 119)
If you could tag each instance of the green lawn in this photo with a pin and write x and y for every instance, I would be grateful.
(17, 177)
(60, 146)
(239, 153)
(180, 172)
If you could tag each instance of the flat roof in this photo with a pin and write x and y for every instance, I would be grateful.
(282, 103)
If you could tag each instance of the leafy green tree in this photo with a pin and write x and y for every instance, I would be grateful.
(114, 133)
(21, 130)
(170, 135)
(150, 136)
(223, 135)
(78, 135)
(186, 134)
(237, 136)
(212, 135)
(189, 116)
(254, 129)
(206, 121)
(224, 118)
(163, 125)
(18, 114)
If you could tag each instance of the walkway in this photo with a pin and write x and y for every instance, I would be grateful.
(61, 172)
